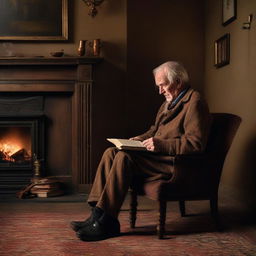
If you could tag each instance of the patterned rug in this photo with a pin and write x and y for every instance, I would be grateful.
(34, 229)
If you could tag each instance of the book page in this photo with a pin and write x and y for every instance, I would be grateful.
(125, 144)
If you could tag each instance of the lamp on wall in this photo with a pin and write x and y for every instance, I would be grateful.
(92, 4)
(247, 25)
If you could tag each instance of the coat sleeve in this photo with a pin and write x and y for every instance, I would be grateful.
(196, 129)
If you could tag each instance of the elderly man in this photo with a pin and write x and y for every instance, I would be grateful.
(181, 127)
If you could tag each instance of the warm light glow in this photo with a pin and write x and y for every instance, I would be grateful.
(8, 149)
(15, 148)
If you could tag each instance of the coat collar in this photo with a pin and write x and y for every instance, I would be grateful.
(176, 109)
(187, 96)
(173, 103)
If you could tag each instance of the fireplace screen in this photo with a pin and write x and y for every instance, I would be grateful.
(15, 146)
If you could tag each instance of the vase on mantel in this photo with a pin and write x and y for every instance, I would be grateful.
(81, 48)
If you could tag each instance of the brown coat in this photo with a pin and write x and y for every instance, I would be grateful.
(183, 129)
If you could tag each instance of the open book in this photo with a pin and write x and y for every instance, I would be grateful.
(127, 144)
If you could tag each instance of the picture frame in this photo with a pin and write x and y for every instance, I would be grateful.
(222, 51)
(229, 8)
(34, 20)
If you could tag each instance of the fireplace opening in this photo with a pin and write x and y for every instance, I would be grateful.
(21, 138)
(15, 146)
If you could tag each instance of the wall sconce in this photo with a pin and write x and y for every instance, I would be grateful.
(247, 25)
(92, 4)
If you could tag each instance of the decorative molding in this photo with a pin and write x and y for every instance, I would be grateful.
(82, 134)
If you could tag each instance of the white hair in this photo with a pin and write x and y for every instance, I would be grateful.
(174, 71)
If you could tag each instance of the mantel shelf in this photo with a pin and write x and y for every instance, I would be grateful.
(71, 60)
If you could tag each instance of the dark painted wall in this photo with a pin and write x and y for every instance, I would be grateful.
(159, 31)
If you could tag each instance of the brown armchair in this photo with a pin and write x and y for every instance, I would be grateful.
(196, 177)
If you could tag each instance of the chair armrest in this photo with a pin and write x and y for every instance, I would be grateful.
(191, 168)
(193, 160)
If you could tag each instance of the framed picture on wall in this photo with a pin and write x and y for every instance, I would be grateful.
(222, 51)
(228, 11)
(34, 20)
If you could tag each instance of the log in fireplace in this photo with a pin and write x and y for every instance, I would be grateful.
(45, 110)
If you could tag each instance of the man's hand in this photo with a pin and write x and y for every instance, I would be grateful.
(152, 144)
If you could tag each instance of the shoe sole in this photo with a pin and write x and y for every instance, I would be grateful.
(94, 239)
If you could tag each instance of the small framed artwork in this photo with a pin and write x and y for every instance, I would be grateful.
(222, 51)
(34, 20)
(228, 11)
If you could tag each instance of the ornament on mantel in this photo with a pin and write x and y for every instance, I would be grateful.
(81, 48)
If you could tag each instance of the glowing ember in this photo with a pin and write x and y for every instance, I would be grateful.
(15, 145)
(13, 152)
(9, 149)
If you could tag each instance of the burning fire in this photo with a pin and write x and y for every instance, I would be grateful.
(12, 151)
(8, 150)
(15, 145)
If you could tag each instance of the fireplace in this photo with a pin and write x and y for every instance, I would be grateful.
(45, 110)
(22, 129)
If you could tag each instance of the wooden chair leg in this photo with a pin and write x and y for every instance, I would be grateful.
(162, 217)
(182, 208)
(133, 208)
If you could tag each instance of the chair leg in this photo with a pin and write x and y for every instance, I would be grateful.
(162, 217)
(182, 208)
(133, 208)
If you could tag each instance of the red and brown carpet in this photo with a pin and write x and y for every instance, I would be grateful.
(35, 228)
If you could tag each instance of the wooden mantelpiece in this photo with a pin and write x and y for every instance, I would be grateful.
(48, 60)
(73, 75)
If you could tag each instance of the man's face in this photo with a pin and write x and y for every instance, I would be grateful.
(164, 86)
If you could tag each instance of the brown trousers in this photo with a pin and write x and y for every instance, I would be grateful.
(118, 170)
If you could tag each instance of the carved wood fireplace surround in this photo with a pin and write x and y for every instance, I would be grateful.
(65, 84)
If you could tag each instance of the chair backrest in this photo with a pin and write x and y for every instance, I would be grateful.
(223, 129)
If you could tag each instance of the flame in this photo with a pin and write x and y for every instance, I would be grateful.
(15, 144)
(8, 148)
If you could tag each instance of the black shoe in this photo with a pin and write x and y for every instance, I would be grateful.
(103, 228)
(96, 214)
